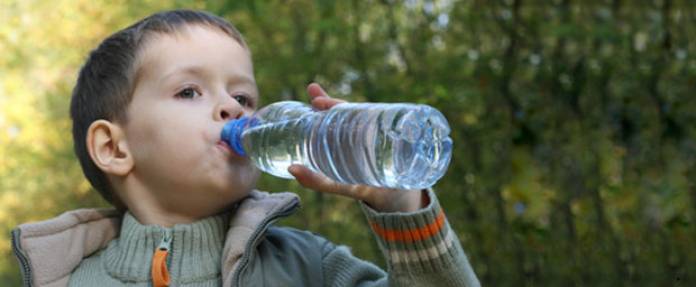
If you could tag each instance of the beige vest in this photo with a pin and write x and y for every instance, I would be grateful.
(50, 250)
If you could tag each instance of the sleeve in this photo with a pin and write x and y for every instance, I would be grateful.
(420, 247)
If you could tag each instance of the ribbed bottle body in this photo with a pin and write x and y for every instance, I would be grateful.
(405, 146)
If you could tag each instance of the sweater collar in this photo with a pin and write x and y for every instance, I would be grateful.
(195, 253)
(75, 235)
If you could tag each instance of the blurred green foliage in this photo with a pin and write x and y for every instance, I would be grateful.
(573, 121)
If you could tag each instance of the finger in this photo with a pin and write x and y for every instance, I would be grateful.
(313, 180)
(315, 90)
(325, 103)
(385, 199)
(320, 99)
(319, 182)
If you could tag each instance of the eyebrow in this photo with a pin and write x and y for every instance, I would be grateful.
(193, 70)
(199, 71)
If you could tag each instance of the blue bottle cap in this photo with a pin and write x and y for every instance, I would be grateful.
(232, 134)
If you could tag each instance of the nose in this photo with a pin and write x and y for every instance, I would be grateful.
(228, 109)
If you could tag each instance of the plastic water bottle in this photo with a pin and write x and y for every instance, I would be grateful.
(404, 146)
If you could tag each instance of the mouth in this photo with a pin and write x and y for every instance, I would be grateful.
(226, 149)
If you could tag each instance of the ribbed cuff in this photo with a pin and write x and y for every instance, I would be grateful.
(420, 240)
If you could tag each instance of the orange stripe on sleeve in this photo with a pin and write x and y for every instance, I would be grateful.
(411, 235)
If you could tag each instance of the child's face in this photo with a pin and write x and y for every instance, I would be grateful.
(190, 84)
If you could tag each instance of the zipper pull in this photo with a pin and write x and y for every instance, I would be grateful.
(160, 274)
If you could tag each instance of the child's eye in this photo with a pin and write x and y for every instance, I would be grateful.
(242, 99)
(188, 93)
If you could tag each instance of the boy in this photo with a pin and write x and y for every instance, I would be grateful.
(147, 110)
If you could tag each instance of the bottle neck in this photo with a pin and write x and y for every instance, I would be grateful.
(232, 134)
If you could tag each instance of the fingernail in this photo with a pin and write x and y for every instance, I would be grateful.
(292, 169)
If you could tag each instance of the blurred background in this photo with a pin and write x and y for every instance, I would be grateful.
(573, 121)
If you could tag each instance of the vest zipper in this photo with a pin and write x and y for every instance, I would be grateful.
(21, 257)
(160, 274)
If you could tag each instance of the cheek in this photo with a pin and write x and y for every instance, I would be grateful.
(172, 143)
(185, 143)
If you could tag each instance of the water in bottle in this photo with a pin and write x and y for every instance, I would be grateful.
(405, 146)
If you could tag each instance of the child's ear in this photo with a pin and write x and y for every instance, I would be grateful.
(108, 148)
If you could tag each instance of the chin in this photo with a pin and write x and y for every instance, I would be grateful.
(224, 200)
(233, 192)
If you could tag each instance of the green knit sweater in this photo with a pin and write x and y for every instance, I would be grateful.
(194, 260)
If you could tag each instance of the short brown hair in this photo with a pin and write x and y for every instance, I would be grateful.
(106, 82)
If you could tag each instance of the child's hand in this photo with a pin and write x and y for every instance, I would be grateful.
(381, 199)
